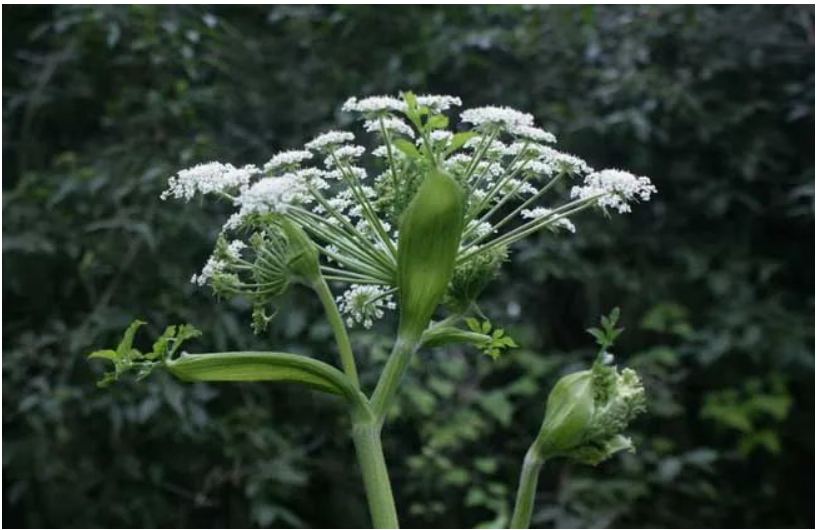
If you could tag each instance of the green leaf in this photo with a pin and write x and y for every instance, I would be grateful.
(175, 336)
(111, 355)
(458, 140)
(161, 344)
(125, 349)
(491, 343)
(597, 334)
(406, 147)
(438, 121)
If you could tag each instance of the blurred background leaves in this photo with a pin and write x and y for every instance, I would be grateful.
(715, 276)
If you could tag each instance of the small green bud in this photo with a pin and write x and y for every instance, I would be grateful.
(587, 412)
(471, 277)
(428, 243)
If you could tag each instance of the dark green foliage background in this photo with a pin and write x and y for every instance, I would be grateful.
(715, 276)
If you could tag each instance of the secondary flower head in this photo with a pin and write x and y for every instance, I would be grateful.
(615, 189)
(588, 411)
(209, 178)
(329, 139)
(352, 200)
(364, 304)
(287, 160)
(374, 105)
(392, 125)
(506, 117)
(439, 103)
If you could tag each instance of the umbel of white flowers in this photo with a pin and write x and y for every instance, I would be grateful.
(350, 200)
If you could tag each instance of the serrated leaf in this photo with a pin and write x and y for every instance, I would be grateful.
(125, 348)
(598, 334)
(161, 344)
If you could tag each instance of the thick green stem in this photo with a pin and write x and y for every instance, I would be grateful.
(367, 439)
(390, 379)
(345, 350)
(526, 490)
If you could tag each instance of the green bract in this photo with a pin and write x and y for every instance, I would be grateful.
(427, 247)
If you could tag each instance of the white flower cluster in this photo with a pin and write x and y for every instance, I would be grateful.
(615, 189)
(503, 161)
(374, 105)
(212, 177)
(329, 139)
(287, 159)
(393, 125)
(365, 303)
(439, 103)
(535, 134)
(213, 266)
(273, 194)
(344, 153)
(505, 117)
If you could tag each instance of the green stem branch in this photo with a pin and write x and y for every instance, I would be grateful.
(367, 440)
(345, 350)
(390, 379)
(525, 501)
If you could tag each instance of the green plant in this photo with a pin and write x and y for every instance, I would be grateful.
(432, 229)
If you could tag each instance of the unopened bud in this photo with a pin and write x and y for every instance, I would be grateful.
(428, 243)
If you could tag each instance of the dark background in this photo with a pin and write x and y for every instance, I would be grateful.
(715, 276)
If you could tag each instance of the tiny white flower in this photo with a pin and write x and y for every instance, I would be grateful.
(234, 249)
(212, 267)
(479, 229)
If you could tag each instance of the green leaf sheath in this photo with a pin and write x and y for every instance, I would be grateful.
(264, 366)
(427, 246)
